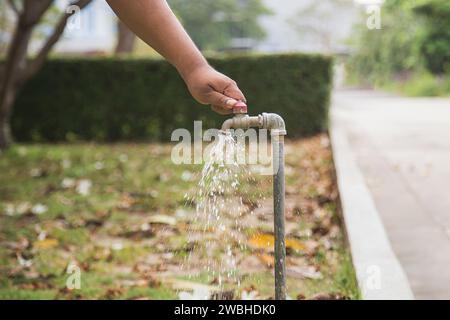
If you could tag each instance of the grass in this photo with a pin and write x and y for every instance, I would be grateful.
(421, 84)
(411, 84)
(47, 222)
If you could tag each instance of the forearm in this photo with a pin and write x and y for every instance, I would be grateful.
(154, 22)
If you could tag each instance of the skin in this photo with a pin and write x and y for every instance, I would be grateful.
(154, 22)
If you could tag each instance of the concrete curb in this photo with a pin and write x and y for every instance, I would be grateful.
(379, 273)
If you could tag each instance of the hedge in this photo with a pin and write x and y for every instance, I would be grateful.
(109, 100)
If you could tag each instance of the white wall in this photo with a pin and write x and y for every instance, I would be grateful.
(97, 32)
(93, 30)
(282, 35)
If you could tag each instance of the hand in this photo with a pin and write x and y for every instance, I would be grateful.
(208, 86)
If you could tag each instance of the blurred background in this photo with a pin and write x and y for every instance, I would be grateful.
(86, 110)
(396, 45)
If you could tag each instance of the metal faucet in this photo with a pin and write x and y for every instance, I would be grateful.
(275, 124)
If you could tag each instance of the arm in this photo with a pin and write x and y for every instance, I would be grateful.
(154, 22)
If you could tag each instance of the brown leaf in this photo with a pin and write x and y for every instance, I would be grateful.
(267, 259)
(45, 244)
(305, 272)
(266, 242)
(329, 296)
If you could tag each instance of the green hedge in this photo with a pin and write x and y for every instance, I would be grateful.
(110, 100)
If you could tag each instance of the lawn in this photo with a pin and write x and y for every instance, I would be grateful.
(122, 215)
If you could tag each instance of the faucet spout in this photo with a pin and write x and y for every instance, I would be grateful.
(243, 121)
(269, 121)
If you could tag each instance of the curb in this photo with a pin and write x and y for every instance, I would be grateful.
(378, 271)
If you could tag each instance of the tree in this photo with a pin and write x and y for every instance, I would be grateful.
(436, 41)
(415, 38)
(126, 39)
(318, 21)
(213, 24)
(18, 68)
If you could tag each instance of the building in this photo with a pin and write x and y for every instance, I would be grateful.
(295, 25)
(308, 25)
(93, 30)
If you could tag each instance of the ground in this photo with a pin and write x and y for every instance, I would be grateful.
(119, 215)
(407, 140)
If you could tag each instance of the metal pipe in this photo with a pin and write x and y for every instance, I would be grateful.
(275, 124)
(278, 206)
(243, 121)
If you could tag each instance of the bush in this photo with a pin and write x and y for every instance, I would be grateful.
(110, 100)
(422, 84)
(415, 38)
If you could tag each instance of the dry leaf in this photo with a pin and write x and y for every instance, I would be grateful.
(266, 241)
(267, 259)
(45, 244)
(295, 244)
(163, 219)
(299, 272)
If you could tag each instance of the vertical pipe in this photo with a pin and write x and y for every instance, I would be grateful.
(278, 205)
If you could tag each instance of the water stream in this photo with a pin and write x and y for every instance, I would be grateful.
(216, 230)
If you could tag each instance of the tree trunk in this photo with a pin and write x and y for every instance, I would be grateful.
(126, 39)
(5, 127)
(17, 70)
(11, 76)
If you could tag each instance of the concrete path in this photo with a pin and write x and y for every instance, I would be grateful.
(402, 146)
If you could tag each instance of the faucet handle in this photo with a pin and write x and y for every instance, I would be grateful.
(239, 108)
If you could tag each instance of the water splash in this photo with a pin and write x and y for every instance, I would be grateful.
(216, 230)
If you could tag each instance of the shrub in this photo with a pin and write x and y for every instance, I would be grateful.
(110, 100)
(415, 38)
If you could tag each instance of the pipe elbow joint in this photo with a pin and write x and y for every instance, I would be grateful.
(228, 124)
(274, 123)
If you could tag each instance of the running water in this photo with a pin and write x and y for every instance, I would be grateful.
(216, 230)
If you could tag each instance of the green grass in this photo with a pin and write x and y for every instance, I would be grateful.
(102, 232)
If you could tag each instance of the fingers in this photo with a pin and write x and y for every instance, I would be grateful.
(221, 110)
(224, 103)
(233, 91)
(220, 100)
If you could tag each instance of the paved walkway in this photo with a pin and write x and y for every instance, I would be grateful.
(402, 146)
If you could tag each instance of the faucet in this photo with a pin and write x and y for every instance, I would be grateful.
(269, 121)
(274, 123)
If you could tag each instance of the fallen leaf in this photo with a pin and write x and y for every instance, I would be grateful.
(163, 219)
(295, 244)
(329, 296)
(113, 293)
(197, 294)
(191, 290)
(249, 295)
(223, 295)
(266, 242)
(126, 202)
(39, 209)
(133, 283)
(45, 244)
(68, 183)
(262, 241)
(308, 272)
(300, 296)
(84, 187)
(267, 259)
(24, 262)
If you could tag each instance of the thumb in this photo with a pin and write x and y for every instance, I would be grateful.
(220, 100)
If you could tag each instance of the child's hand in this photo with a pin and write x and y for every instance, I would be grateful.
(208, 86)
